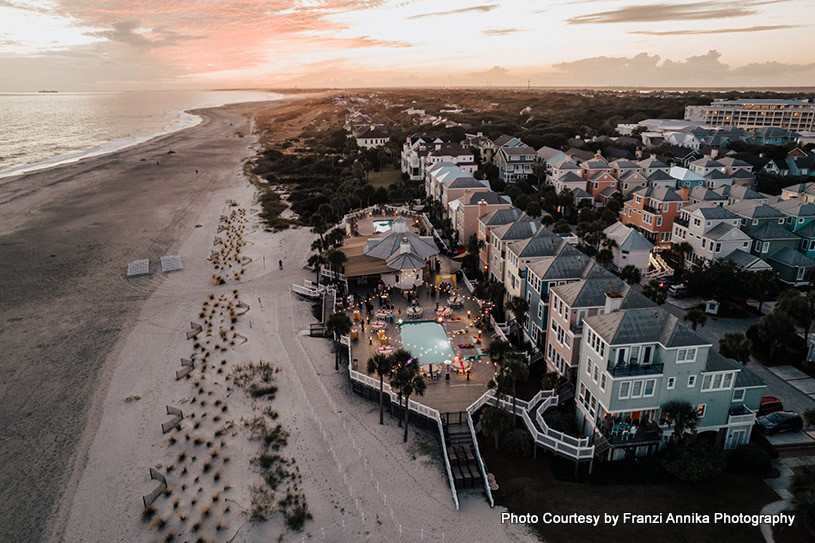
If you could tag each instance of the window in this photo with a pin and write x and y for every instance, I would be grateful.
(718, 247)
(671, 383)
(603, 381)
(766, 247)
(625, 390)
(700, 410)
(649, 387)
(540, 310)
(588, 368)
(800, 274)
(691, 381)
(686, 355)
(636, 389)
(659, 221)
(596, 374)
(738, 395)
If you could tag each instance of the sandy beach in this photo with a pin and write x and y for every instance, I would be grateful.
(94, 356)
(66, 236)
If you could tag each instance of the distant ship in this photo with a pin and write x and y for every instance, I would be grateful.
(47, 91)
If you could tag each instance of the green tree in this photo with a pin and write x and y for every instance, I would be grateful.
(338, 324)
(498, 350)
(518, 307)
(800, 308)
(692, 460)
(774, 330)
(695, 316)
(763, 282)
(514, 368)
(604, 257)
(517, 443)
(335, 259)
(655, 291)
(681, 250)
(736, 346)
(408, 380)
(803, 495)
(495, 422)
(383, 366)
(682, 416)
(630, 274)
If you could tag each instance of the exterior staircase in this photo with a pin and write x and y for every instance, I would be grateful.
(458, 441)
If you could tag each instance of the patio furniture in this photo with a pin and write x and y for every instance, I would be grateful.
(444, 312)
(414, 312)
(481, 352)
(386, 349)
(378, 325)
(455, 301)
(357, 316)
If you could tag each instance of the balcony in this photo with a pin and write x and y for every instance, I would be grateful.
(632, 370)
(621, 434)
(741, 415)
(681, 222)
(576, 328)
(650, 209)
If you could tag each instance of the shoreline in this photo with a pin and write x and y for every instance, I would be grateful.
(67, 233)
(121, 144)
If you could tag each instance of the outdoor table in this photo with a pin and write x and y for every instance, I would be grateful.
(385, 350)
(455, 301)
(378, 325)
(435, 374)
(462, 366)
(384, 315)
(444, 312)
(414, 312)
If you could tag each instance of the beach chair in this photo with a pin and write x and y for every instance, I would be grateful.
(481, 352)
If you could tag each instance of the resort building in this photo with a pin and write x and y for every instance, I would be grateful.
(372, 137)
(570, 303)
(652, 211)
(565, 266)
(445, 173)
(632, 362)
(630, 247)
(398, 257)
(414, 153)
(712, 232)
(755, 113)
(486, 223)
(514, 163)
(451, 153)
(466, 210)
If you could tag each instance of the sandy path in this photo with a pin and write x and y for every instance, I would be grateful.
(66, 236)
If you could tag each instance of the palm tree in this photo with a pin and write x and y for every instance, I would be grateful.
(655, 292)
(408, 380)
(383, 366)
(517, 443)
(682, 416)
(518, 307)
(630, 274)
(695, 317)
(335, 259)
(763, 281)
(498, 349)
(735, 345)
(495, 422)
(339, 325)
(800, 308)
(335, 238)
(316, 261)
(515, 369)
(604, 257)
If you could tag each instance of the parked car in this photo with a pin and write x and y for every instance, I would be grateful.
(769, 404)
(780, 421)
(678, 291)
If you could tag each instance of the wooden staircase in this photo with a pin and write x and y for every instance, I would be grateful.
(459, 443)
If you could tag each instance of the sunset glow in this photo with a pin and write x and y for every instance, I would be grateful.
(118, 44)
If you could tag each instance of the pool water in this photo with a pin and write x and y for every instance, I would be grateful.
(428, 341)
(382, 226)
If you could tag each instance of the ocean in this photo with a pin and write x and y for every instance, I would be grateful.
(39, 130)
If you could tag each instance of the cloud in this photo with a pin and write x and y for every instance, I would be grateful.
(131, 33)
(673, 12)
(715, 30)
(483, 9)
(696, 71)
(500, 31)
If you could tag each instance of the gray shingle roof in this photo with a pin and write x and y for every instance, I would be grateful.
(746, 379)
(720, 230)
(743, 259)
(521, 229)
(754, 209)
(488, 196)
(388, 245)
(771, 230)
(502, 216)
(405, 261)
(792, 258)
(711, 212)
(716, 362)
(659, 176)
(795, 207)
(643, 326)
(663, 194)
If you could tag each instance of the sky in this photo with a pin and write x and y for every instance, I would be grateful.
(194, 44)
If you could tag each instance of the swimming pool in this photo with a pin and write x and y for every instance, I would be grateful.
(382, 226)
(427, 340)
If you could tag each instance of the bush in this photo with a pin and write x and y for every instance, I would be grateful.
(692, 460)
(749, 459)
(761, 440)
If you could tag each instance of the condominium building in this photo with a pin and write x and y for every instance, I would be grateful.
(750, 113)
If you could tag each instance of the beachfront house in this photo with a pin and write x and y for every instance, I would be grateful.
(632, 362)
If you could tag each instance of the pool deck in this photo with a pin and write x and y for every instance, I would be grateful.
(452, 395)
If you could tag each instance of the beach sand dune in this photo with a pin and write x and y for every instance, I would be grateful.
(66, 237)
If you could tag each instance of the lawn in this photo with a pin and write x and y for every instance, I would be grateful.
(385, 178)
(530, 486)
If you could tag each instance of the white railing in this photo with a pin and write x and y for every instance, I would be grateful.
(749, 418)
(500, 328)
(481, 466)
(305, 291)
(468, 283)
(413, 405)
(558, 442)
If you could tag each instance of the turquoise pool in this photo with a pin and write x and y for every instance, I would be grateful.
(382, 226)
(428, 341)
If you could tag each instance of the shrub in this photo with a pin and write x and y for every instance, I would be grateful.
(692, 460)
(749, 459)
(761, 440)
(296, 516)
(148, 513)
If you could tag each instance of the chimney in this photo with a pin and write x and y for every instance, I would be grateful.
(404, 246)
(638, 154)
(598, 155)
(613, 301)
(482, 207)
(714, 153)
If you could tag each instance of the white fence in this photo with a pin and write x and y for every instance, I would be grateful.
(468, 283)
(572, 447)
(470, 410)
(421, 409)
(501, 328)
